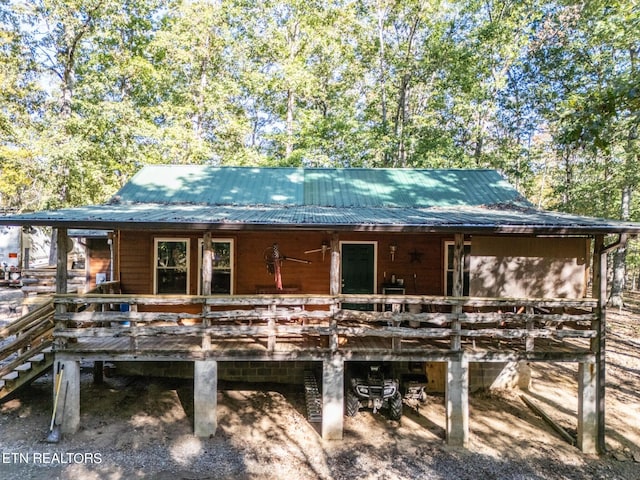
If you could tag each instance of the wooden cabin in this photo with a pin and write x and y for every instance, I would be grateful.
(220, 267)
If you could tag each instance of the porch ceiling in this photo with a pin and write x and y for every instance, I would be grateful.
(467, 219)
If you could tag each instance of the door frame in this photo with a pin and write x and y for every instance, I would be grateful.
(375, 259)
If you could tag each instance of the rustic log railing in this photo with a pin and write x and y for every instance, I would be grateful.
(318, 322)
(27, 336)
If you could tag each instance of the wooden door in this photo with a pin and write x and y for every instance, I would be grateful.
(358, 271)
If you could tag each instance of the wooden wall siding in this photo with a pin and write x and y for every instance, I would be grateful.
(529, 267)
(99, 260)
(136, 260)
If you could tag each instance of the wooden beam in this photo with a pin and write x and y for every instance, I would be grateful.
(316, 354)
(552, 423)
(297, 299)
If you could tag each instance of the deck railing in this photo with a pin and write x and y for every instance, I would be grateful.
(321, 322)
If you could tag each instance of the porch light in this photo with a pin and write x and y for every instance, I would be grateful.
(393, 248)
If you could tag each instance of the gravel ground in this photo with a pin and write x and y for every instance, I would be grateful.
(141, 428)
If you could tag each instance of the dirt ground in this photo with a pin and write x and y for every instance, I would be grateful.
(141, 428)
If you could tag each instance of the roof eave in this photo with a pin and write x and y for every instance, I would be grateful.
(467, 228)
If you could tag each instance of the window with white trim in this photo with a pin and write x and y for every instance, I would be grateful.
(449, 248)
(222, 271)
(171, 273)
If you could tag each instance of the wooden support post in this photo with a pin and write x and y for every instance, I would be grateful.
(587, 408)
(334, 288)
(598, 344)
(333, 398)
(61, 279)
(334, 269)
(457, 402)
(205, 398)
(61, 264)
(115, 256)
(207, 270)
(68, 410)
(457, 289)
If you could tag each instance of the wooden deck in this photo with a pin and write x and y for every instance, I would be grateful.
(298, 327)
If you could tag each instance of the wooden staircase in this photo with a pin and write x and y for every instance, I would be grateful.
(25, 349)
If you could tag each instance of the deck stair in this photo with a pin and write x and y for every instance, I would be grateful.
(632, 300)
(25, 349)
(312, 397)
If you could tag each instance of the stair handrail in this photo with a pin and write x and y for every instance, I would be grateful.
(24, 357)
(33, 331)
(27, 321)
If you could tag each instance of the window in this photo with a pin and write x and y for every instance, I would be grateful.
(172, 265)
(222, 268)
(448, 278)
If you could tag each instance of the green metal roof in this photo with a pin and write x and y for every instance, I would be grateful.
(342, 188)
(204, 198)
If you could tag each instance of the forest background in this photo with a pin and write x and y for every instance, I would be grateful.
(546, 92)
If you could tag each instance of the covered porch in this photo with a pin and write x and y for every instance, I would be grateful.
(455, 330)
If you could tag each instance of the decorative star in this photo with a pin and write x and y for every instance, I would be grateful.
(415, 256)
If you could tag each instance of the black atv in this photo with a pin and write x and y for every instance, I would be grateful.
(371, 387)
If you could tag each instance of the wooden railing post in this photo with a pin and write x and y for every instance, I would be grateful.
(133, 339)
(457, 290)
(333, 336)
(98, 366)
(271, 324)
(530, 324)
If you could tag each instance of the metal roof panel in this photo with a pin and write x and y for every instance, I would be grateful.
(197, 184)
(328, 187)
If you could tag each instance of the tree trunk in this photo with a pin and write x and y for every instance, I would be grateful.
(620, 257)
(381, 14)
(290, 107)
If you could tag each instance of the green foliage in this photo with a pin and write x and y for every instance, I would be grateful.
(547, 92)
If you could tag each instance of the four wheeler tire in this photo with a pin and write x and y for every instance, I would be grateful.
(395, 407)
(352, 404)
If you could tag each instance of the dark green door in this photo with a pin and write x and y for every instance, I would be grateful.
(358, 260)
